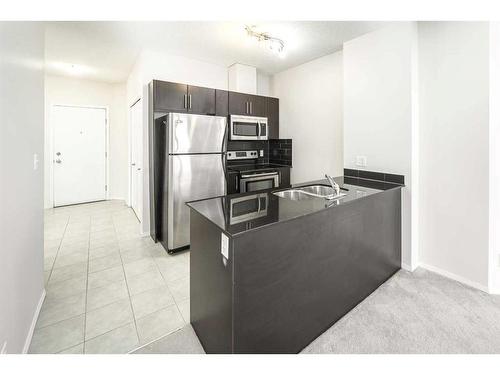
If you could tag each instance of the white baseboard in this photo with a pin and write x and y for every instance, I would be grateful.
(455, 277)
(406, 267)
(27, 343)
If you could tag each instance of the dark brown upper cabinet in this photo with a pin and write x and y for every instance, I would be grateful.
(221, 103)
(176, 97)
(238, 104)
(273, 117)
(169, 96)
(247, 105)
(201, 100)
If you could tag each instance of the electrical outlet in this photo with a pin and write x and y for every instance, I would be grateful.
(361, 161)
(4, 348)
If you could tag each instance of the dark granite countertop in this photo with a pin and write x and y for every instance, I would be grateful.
(228, 212)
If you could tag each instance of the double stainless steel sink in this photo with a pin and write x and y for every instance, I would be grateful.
(309, 192)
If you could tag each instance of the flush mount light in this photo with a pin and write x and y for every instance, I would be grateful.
(274, 44)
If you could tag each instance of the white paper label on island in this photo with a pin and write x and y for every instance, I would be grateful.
(224, 245)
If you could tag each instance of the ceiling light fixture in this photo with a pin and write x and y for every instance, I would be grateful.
(274, 44)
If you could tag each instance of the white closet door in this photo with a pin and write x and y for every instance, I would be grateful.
(136, 167)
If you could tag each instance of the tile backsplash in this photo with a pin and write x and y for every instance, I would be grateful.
(280, 151)
(378, 176)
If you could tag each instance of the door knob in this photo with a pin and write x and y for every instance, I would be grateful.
(58, 153)
(133, 164)
(138, 169)
(58, 161)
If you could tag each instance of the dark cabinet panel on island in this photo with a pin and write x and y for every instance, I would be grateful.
(291, 269)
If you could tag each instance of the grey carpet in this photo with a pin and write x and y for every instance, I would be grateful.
(418, 312)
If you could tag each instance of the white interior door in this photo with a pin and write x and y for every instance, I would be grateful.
(79, 154)
(136, 167)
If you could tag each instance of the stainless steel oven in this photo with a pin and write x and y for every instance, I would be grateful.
(248, 128)
(247, 208)
(259, 181)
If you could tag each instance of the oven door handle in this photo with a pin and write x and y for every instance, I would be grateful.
(259, 175)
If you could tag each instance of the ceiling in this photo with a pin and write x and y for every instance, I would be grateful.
(106, 51)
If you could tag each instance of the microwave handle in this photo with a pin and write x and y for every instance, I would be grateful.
(258, 125)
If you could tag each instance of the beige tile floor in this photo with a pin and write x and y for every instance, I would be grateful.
(109, 290)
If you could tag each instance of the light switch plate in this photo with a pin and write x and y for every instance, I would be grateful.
(224, 245)
(261, 153)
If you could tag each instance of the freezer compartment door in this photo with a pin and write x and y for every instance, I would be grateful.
(190, 177)
(189, 134)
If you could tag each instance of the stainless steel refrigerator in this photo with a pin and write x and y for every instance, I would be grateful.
(188, 164)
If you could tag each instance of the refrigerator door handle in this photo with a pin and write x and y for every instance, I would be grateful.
(224, 178)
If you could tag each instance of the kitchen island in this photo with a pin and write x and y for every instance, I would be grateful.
(269, 274)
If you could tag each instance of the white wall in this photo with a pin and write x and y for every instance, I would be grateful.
(21, 187)
(158, 65)
(242, 78)
(73, 91)
(378, 104)
(263, 84)
(494, 170)
(454, 152)
(311, 115)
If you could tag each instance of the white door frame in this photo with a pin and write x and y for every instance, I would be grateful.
(51, 147)
(138, 101)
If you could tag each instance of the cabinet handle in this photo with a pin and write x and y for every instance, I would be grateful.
(190, 101)
(185, 100)
(251, 108)
(246, 108)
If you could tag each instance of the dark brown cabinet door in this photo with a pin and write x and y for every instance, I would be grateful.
(201, 100)
(221, 103)
(239, 104)
(284, 177)
(257, 105)
(273, 118)
(169, 96)
(232, 183)
(247, 105)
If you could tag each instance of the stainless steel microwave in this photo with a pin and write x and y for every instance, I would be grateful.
(248, 128)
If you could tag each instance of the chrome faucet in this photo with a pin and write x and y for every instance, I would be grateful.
(335, 186)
